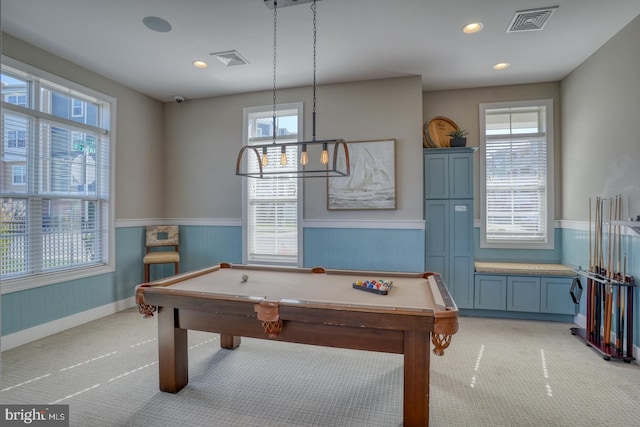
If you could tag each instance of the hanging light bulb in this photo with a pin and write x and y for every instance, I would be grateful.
(265, 157)
(324, 158)
(304, 157)
(283, 155)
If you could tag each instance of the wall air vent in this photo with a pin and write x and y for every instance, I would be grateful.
(531, 19)
(230, 58)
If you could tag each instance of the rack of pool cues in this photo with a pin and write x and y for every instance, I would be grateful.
(609, 290)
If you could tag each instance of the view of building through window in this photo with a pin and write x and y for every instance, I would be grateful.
(54, 162)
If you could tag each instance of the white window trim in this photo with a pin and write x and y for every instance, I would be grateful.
(245, 137)
(550, 133)
(38, 280)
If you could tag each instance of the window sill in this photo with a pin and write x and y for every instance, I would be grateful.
(516, 245)
(45, 279)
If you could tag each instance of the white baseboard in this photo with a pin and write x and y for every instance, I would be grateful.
(580, 320)
(25, 336)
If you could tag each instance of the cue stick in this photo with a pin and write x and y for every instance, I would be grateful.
(598, 301)
(622, 320)
(613, 206)
(630, 320)
(596, 254)
(593, 293)
(618, 273)
(599, 235)
(609, 241)
(595, 237)
(618, 331)
(619, 231)
(595, 263)
(597, 248)
(590, 248)
(601, 243)
(622, 303)
(590, 300)
(596, 314)
(605, 287)
(608, 314)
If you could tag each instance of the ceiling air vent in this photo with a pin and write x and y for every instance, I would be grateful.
(230, 58)
(530, 19)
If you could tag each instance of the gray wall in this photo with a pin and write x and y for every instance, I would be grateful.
(202, 139)
(139, 137)
(601, 127)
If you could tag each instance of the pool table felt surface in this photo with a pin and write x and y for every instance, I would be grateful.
(299, 286)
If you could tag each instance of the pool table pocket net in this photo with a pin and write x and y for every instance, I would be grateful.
(267, 313)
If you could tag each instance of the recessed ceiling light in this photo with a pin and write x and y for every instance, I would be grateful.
(156, 24)
(474, 27)
(501, 66)
(200, 64)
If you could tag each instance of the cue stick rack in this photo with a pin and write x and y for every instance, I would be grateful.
(610, 291)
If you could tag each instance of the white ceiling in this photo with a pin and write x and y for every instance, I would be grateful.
(357, 40)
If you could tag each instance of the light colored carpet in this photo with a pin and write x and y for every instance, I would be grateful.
(496, 373)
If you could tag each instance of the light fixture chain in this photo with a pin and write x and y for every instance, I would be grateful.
(338, 167)
(275, 44)
(315, 31)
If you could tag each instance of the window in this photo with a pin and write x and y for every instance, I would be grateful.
(271, 208)
(55, 210)
(77, 107)
(16, 138)
(517, 174)
(17, 100)
(19, 175)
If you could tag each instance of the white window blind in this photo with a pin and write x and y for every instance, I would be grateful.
(272, 214)
(516, 165)
(56, 217)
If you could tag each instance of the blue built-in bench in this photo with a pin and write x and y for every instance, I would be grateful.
(523, 290)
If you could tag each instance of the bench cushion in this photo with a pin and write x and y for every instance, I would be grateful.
(517, 268)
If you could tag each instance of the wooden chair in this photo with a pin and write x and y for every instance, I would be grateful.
(161, 236)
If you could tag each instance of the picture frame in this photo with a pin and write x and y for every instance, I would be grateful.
(371, 183)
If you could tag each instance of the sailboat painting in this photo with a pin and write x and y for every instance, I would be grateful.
(372, 181)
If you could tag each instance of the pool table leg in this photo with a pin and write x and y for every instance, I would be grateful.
(229, 342)
(173, 360)
(416, 378)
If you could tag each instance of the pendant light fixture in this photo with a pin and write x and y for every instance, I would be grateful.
(318, 158)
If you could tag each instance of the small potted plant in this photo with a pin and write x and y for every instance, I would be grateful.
(458, 138)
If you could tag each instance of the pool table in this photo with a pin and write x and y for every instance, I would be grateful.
(310, 306)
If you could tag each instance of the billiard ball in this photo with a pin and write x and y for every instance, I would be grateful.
(245, 277)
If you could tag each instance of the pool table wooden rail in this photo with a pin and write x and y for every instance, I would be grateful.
(382, 328)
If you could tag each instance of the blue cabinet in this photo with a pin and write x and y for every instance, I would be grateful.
(533, 294)
(436, 173)
(448, 173)
(448, 186)
(523, 293)
(555, 295)
(491, 292)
